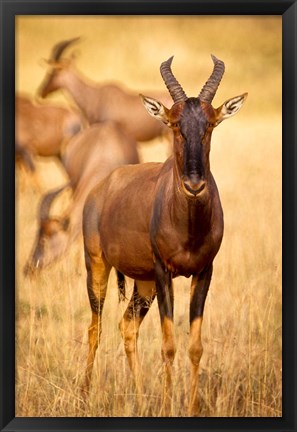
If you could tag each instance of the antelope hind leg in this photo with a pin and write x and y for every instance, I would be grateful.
(97, 277)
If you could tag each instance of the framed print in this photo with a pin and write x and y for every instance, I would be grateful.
(148, 245)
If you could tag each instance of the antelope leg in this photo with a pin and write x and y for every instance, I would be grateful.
(97, 277)
(199, 289)
(140, 302)
(165, 303)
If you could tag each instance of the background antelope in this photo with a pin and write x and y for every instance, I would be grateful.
(88, 158)
(155, 221)
(99, 102)
(42, 129)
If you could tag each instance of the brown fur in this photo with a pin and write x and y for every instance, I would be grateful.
(88, 158)
(42, 129)
(99, 102)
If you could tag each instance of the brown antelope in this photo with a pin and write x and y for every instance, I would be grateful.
(101, 102)
(42, 129)
(155, 221)
(88, 158)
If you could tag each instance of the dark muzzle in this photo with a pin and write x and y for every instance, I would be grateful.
(194, 185)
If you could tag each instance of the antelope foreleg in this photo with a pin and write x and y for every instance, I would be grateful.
(141, 300)
(165, 303)
(199, 289)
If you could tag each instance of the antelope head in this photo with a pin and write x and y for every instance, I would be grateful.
(192, 121)
(58, 66)
(52, 236)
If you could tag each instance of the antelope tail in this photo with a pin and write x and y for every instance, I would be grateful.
(121, 286)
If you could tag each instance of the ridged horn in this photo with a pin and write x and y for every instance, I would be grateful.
(47, 201)
(60, 47)
(175, 89)
(210, 87)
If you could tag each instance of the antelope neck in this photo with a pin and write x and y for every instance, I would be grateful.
(82, 94)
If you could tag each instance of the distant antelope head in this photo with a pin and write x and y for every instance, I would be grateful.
(52, 236)
(57, 67)
(192, 121)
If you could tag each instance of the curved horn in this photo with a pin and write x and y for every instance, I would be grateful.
(47, 201)
(210, 87)
(59, 48)
(175, 89)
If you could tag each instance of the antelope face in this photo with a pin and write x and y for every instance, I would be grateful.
(51, 242)
(50, 83)
(55, 78)
(192, 133)
(192, 121)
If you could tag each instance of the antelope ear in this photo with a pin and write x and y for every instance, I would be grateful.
(155, 109)
(230, 108)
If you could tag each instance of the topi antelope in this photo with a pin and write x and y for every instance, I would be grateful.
(155, 221)
(101, 102)
(42, 130)
(88, 158)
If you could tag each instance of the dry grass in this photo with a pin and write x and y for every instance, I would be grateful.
(241, 364)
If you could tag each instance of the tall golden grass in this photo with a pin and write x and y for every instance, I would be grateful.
(241, 364)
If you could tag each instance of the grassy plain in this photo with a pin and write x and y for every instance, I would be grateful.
(242, 332)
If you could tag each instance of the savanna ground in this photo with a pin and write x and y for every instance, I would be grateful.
(241, 365)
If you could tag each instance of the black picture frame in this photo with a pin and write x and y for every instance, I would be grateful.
(9, 9)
